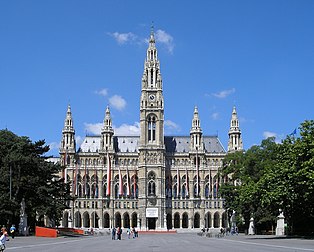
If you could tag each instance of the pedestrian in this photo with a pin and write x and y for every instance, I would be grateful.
(133, 232)
(4, 238)
(113, 233)
(119, 233)
(136, 232)
(128, 231)
(12, 231)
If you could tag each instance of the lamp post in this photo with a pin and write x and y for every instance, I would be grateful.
(10, 182)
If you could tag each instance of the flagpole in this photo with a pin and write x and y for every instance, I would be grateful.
(197, 179)
(178, 182)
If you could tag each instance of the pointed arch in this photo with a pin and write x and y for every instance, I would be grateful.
(106, 220)
(134, 220)
(208, 220)
(86, 220)
(126, 220)
(216, 220)
(117, 220)
(95, 220)
(78, 219)
(168, 187)
(104, 185)
(196, 186)
(151, 127)
(151, 184)
(197, 220)
(185, 220)
(134, 186)
(224, 218)
(176, 220)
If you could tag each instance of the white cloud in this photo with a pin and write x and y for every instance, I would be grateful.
(122, 130)
(79, 140)
(165, 38)
(93, 128)
(224, 93)
(161, 37)
(171, 127)
(123, 38)
(117, 102)
(267, 134)
(102, 92)
(278, 137)
(127, 130)
(54, 146)
(215, 116)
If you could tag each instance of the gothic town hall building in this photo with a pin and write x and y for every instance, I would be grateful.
(151, 181)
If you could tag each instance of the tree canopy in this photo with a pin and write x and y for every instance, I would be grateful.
(274, 176)
(26, 174)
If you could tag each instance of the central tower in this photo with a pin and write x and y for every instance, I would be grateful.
(151, 170)
(152, 101)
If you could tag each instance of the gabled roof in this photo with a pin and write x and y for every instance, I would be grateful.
(182, 144)
(173, 144)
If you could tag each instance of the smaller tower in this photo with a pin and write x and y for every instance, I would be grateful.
(235, 140)
(106, 141)
(68, 145)
(196, 133)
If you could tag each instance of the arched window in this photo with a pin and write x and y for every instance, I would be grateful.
(176, 189)
(207, 187)
(151, 128)
(168, 187)
(116, 186)
(104, 184)
(134, 186)
(196, 186)
(151, 186)
(183, 191)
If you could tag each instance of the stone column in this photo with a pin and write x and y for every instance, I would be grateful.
(280, 229)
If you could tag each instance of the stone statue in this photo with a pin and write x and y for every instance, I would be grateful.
(23, 230)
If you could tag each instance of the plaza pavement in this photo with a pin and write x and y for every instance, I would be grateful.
(161, 243)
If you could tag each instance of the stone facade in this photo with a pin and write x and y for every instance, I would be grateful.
(151, 181)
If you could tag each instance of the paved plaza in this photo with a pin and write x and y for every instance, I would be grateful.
(161, 242)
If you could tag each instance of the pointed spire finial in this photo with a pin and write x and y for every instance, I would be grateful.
(152, 28)
(152, 38)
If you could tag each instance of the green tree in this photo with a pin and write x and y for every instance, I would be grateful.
(272, 176)
(32, 178)
(241, 190)
(289, 184)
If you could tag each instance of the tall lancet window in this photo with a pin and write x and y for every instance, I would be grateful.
(151, 187)
(151, 128)
(152, 77)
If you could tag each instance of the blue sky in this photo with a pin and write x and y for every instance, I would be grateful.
(256, 55)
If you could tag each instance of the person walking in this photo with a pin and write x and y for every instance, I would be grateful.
(113, 233)
(128, 233)
(3, 238)
(118, 233)
(12, 231)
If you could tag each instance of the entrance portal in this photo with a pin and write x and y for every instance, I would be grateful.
(151, 223)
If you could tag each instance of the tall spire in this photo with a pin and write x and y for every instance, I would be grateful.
(152, 37)
(196, 132)
(106, 142)
(68, 134)
(235, 140)
(152, 101)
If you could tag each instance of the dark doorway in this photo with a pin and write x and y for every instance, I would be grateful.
(169, 221)
(151, 223)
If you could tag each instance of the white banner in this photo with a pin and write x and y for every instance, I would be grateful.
(151, 212)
